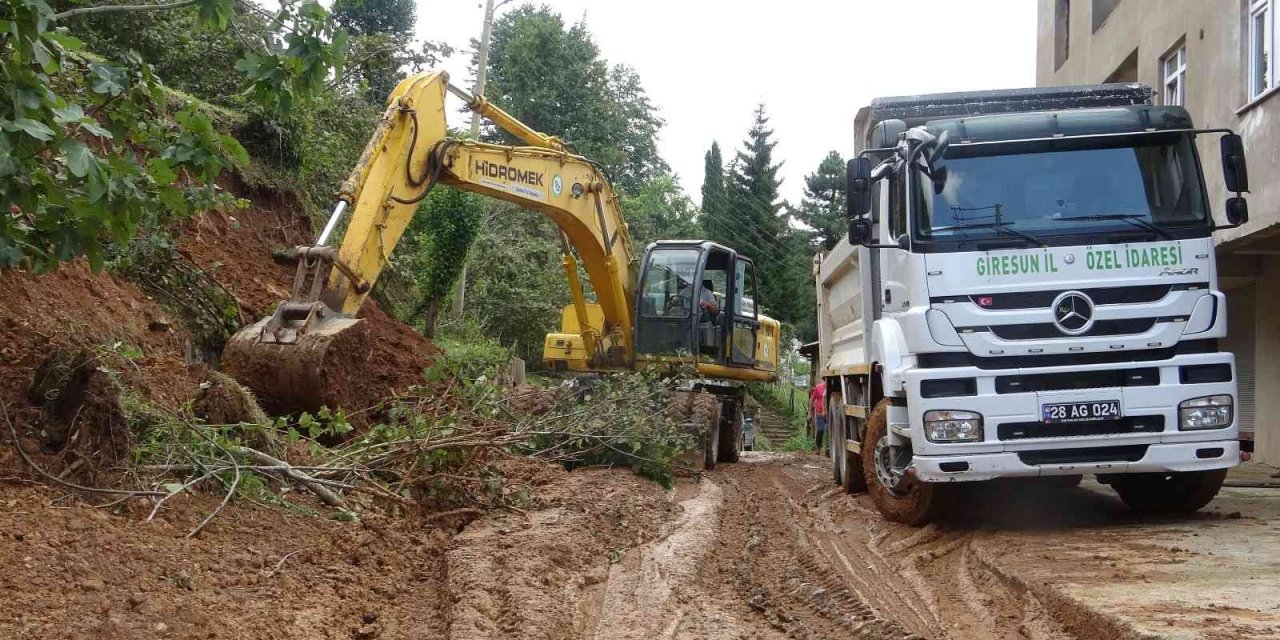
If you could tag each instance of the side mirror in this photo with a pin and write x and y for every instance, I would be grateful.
(939, 178)
(859, 231)
(857, 183)
(1237, 211)
(1234, 171)
(939, 147)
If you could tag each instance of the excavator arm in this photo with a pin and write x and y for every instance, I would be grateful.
(312, 343)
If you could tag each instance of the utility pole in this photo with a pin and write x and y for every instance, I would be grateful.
(482, 72)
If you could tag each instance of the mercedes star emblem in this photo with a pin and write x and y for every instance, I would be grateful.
(1073, 313)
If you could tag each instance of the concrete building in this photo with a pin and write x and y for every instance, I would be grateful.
(1215, 57)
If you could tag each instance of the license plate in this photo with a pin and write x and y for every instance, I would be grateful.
(1080, 411)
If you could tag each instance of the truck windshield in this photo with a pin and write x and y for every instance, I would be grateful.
(1064, 189)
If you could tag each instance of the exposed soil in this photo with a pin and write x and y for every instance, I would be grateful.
(78, 571)
(385, 356)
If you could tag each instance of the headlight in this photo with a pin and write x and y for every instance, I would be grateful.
(1209, 412)
(952, 426)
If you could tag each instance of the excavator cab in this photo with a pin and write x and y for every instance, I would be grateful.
(697, 299)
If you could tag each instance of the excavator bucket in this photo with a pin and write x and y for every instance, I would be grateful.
(319, 368)
(305, 355)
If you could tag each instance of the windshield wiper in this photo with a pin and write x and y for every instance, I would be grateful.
(1132, 218)
(998, 226)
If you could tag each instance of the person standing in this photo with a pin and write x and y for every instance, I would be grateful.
(818, 408)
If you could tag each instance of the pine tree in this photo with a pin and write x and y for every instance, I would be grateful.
(714, 206)
(753, 184)
(823, 206)
(757, 224)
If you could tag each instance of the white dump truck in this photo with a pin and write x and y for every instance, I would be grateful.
(1028, 289)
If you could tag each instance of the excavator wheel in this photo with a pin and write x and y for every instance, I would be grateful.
(320, 369)
(699, 412)
(730, 430)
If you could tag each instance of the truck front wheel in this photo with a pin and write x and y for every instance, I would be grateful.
(899, 497)
(1182, 492)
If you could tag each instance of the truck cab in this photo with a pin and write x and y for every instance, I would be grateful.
(1029, 289)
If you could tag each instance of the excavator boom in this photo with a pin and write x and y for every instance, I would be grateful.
(312, 345)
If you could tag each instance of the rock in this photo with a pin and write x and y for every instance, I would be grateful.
(92, 584)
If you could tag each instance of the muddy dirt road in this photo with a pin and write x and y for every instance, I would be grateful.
(769, 548)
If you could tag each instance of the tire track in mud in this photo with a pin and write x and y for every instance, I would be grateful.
(766, 548)
(833, 568)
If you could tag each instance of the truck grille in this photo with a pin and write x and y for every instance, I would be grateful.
(1143, 377)
(1038, 331)
(1138, 294)
(1032, 430)
(1086, 455)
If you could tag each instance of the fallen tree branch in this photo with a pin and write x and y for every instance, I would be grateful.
(284, 469)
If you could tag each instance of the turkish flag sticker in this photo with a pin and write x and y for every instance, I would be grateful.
(984, 301)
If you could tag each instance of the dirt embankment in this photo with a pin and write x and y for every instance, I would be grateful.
(106, 317)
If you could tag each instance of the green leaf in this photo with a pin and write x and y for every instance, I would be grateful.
(173, 487)
(9, 165)
(80, 160)
(161, 172)
(65, 40)
(68, 114)
(234, 150)
(92, 126)
(33, 128)
(174, 199)
(106, 79)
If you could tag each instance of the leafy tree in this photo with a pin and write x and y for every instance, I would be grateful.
(430, 256)
(373, 17)
(517, 289)
(823, 206)
(93, 151)
(184, 55)
(551, 76)
(660, 211)
(383, 50)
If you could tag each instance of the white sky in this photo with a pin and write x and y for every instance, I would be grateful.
(813, 63)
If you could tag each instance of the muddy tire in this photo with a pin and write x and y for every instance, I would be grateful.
(909, 501)
(1183, 492)
(730, 431)
(850, 464)
(712, 449)
(835, 433)
(699, 412)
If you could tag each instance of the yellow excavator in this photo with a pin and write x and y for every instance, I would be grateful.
(686, 302)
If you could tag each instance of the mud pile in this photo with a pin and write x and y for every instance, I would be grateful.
(117, 330)
(237, 249)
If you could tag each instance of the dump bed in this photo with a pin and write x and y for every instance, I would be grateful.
(916, 110)
(844, 312)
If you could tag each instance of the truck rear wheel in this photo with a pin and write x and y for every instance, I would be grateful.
(849, 474)
(899, 497)
(1182, 492)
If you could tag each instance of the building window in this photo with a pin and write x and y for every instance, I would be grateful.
(1100, 10)
(1061, 32)
(1174, 66)
(1261, 38)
